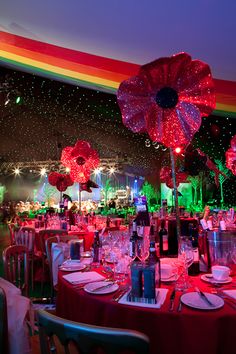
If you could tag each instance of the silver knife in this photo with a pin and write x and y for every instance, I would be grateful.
(119, 296)
(172, 299)
(203, 296)
(103, 287)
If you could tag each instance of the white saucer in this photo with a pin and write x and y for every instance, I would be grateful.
(173, 277)
(194, 300)
(72, 267)
(209, 278)
(89, 288)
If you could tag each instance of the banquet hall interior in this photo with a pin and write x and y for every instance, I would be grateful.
(117, 177)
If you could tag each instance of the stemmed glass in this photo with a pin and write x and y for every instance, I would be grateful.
(142, 250)
(185, 259)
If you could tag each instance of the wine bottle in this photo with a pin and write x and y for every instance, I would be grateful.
(152, 273)
(96, 249)
(194, 268)
(163, 239)
(133, 241)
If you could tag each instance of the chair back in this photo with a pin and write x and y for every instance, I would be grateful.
(25, 236)
(87, 337)
(45, 234)
(16, 267)
(12, 228)
(3, 323)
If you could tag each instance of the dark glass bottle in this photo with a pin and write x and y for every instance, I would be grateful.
(152, 236)
(153, 262)
(194, 269)
(163, 239)
(96, 248)
(133, 241)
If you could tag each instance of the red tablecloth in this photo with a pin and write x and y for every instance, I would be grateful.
(86, 236)
(188, 332)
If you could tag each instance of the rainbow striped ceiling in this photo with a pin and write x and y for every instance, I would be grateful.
(86, 69)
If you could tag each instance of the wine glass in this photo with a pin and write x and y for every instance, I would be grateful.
(142, 250)
(185, 259)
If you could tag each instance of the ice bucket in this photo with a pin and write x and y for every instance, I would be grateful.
(221, 248)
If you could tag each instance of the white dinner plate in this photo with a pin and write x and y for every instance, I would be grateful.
(173, 277)
(73, 267)
(90, 288)
(194, 300)
(210, 279)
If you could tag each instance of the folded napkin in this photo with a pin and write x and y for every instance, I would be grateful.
(59, 251)
(17, 308)
(231, 293)
(160, 294)
(86, 277)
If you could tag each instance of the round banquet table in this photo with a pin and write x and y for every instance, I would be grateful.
(190, 331)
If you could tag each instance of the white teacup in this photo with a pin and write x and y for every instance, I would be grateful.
(166, 270)
(220, 272)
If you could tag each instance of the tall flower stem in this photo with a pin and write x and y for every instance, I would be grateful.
(79, 198)
(172, 158)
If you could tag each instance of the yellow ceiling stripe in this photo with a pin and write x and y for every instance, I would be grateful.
(59, 70)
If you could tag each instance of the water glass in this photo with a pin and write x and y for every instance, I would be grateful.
(185, 259)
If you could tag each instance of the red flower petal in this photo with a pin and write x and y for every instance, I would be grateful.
(82, 148)
(79, 176)
(66, 156)
(231, 160)
(164, 72)
(233, 143)
(52, 178)
(196, 86)
(173, 127)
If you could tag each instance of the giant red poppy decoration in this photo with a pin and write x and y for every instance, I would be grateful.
(167, 99)
(166, 177)
(59, 180)
(231, 156)
(88, 185)
(80, 159)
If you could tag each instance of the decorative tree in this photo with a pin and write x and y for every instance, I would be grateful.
(202, 178)
(106, 190)
(48, 194)
(195, 182)
(148, 190)
(2, 192)
(222, 178)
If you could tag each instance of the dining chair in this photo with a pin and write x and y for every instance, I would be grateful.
(16, 267)
(3, 323)
(87, 338)
(12, 228)
(25, 236)
(48, 245)
(43, 236)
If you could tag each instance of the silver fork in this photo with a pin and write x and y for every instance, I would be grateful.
(179, 308)
(230, 301)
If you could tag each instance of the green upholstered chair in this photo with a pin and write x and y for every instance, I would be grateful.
(88, 338)
(3, 323)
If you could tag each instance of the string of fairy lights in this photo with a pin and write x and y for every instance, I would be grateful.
(107, 166)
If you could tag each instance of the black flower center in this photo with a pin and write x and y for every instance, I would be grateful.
(167, 97)
(80, 160)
